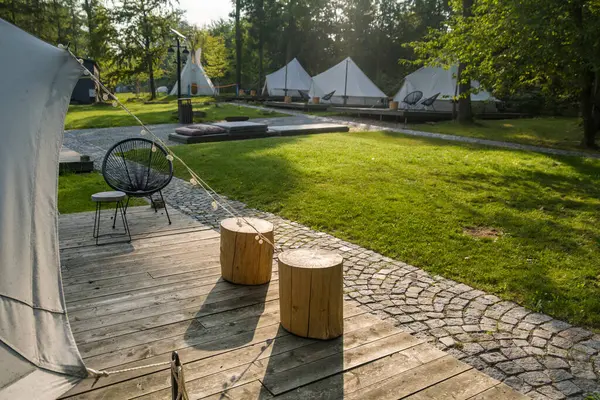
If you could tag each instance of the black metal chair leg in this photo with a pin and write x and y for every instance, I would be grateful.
(95, 220)
(115, 217)
(124, 218)
(99, 207)
(127, 204)
(165, 205)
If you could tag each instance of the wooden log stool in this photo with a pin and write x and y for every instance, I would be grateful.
(244, 259)
(311, 293)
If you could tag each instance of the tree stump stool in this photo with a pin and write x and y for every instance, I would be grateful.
(244, 259)
(311, 293)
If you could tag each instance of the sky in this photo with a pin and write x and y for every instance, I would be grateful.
(202, 12)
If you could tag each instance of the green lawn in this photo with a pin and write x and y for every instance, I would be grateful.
(555, 132)
(75, 192)
(522, 225)
(104, 115)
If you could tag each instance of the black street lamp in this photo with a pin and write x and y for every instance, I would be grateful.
(178, 36)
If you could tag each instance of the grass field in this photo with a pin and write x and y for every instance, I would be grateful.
(75, 192)
(104, 115)
(555, 132)
(522, 225)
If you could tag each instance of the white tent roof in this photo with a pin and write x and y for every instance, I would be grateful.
(38, 355)
(346, 78)
(193, 73)
(433, 80)
(297, 79)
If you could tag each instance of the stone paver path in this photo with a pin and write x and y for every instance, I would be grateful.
(533, 353)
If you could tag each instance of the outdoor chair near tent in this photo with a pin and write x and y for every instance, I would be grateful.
(304, 95)
(413, 98)
(139, 168)
(428, 102)
(328, 96)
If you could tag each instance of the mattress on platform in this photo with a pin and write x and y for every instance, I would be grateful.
(200, 130)
(242, 127)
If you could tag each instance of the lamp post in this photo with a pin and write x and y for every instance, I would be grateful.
(178, 36)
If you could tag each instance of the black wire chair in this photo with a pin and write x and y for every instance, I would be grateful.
(413, 98)
(304, 95)
(328, 96)
(428, 102)
(139, 168)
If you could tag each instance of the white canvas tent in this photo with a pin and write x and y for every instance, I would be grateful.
(291, 77)
(38, 355)
(433, 80)
(194, 81)
(351, 85)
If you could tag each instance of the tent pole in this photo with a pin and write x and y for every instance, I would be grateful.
(346, 84)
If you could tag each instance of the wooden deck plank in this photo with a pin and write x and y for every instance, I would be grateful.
(132, 304)
(367, 375)
(459, 387)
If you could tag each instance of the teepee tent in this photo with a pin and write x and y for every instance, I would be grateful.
(433, 80)
(291, 78)
(194, 81)
(351, 86)
(38, 355)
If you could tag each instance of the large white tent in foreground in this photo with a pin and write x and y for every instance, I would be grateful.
(38, 355)
(351, 86)
(194, 81)
(434, 80)
(292, 78)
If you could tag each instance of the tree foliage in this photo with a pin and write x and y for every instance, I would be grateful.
(524, 45)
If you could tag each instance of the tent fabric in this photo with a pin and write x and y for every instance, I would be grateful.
(36, 342)
(194, 81)
(297, 79)
(358, 88)
(433, 80)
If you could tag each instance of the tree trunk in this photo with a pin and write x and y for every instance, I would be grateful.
(261, 43)
(238, 45)
(73, 27)
(90, 24)
(590, 126)
(465, 111)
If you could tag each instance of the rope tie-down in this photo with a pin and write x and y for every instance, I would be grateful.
(178, 389)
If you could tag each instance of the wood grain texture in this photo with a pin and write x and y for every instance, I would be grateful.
(311, 293)
(244, 259)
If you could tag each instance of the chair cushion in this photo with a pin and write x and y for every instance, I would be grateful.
(108, 196)
(200, 130)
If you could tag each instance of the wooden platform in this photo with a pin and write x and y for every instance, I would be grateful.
(71, 162)
(297, 106)
(131, 304)
(417, 115)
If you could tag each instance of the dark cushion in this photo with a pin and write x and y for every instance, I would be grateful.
(200, 130)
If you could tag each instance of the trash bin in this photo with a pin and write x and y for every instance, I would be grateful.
(185, 112)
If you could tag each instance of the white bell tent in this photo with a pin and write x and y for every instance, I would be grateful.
(434, 80)
(38, 355)
(291, 78)
(194, 81)
(351, 86)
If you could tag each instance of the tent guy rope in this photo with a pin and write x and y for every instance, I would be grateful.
(196, 180)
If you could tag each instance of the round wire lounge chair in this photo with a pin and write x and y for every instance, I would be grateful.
(413, 98)
(139, 168)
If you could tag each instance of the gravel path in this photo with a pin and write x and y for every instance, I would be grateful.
(537, 355)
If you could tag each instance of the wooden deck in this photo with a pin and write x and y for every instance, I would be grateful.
(132, 304)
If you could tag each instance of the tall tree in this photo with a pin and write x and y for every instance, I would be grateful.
(465, 112)
(145, 34)
(516, 45)
(238, 44)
